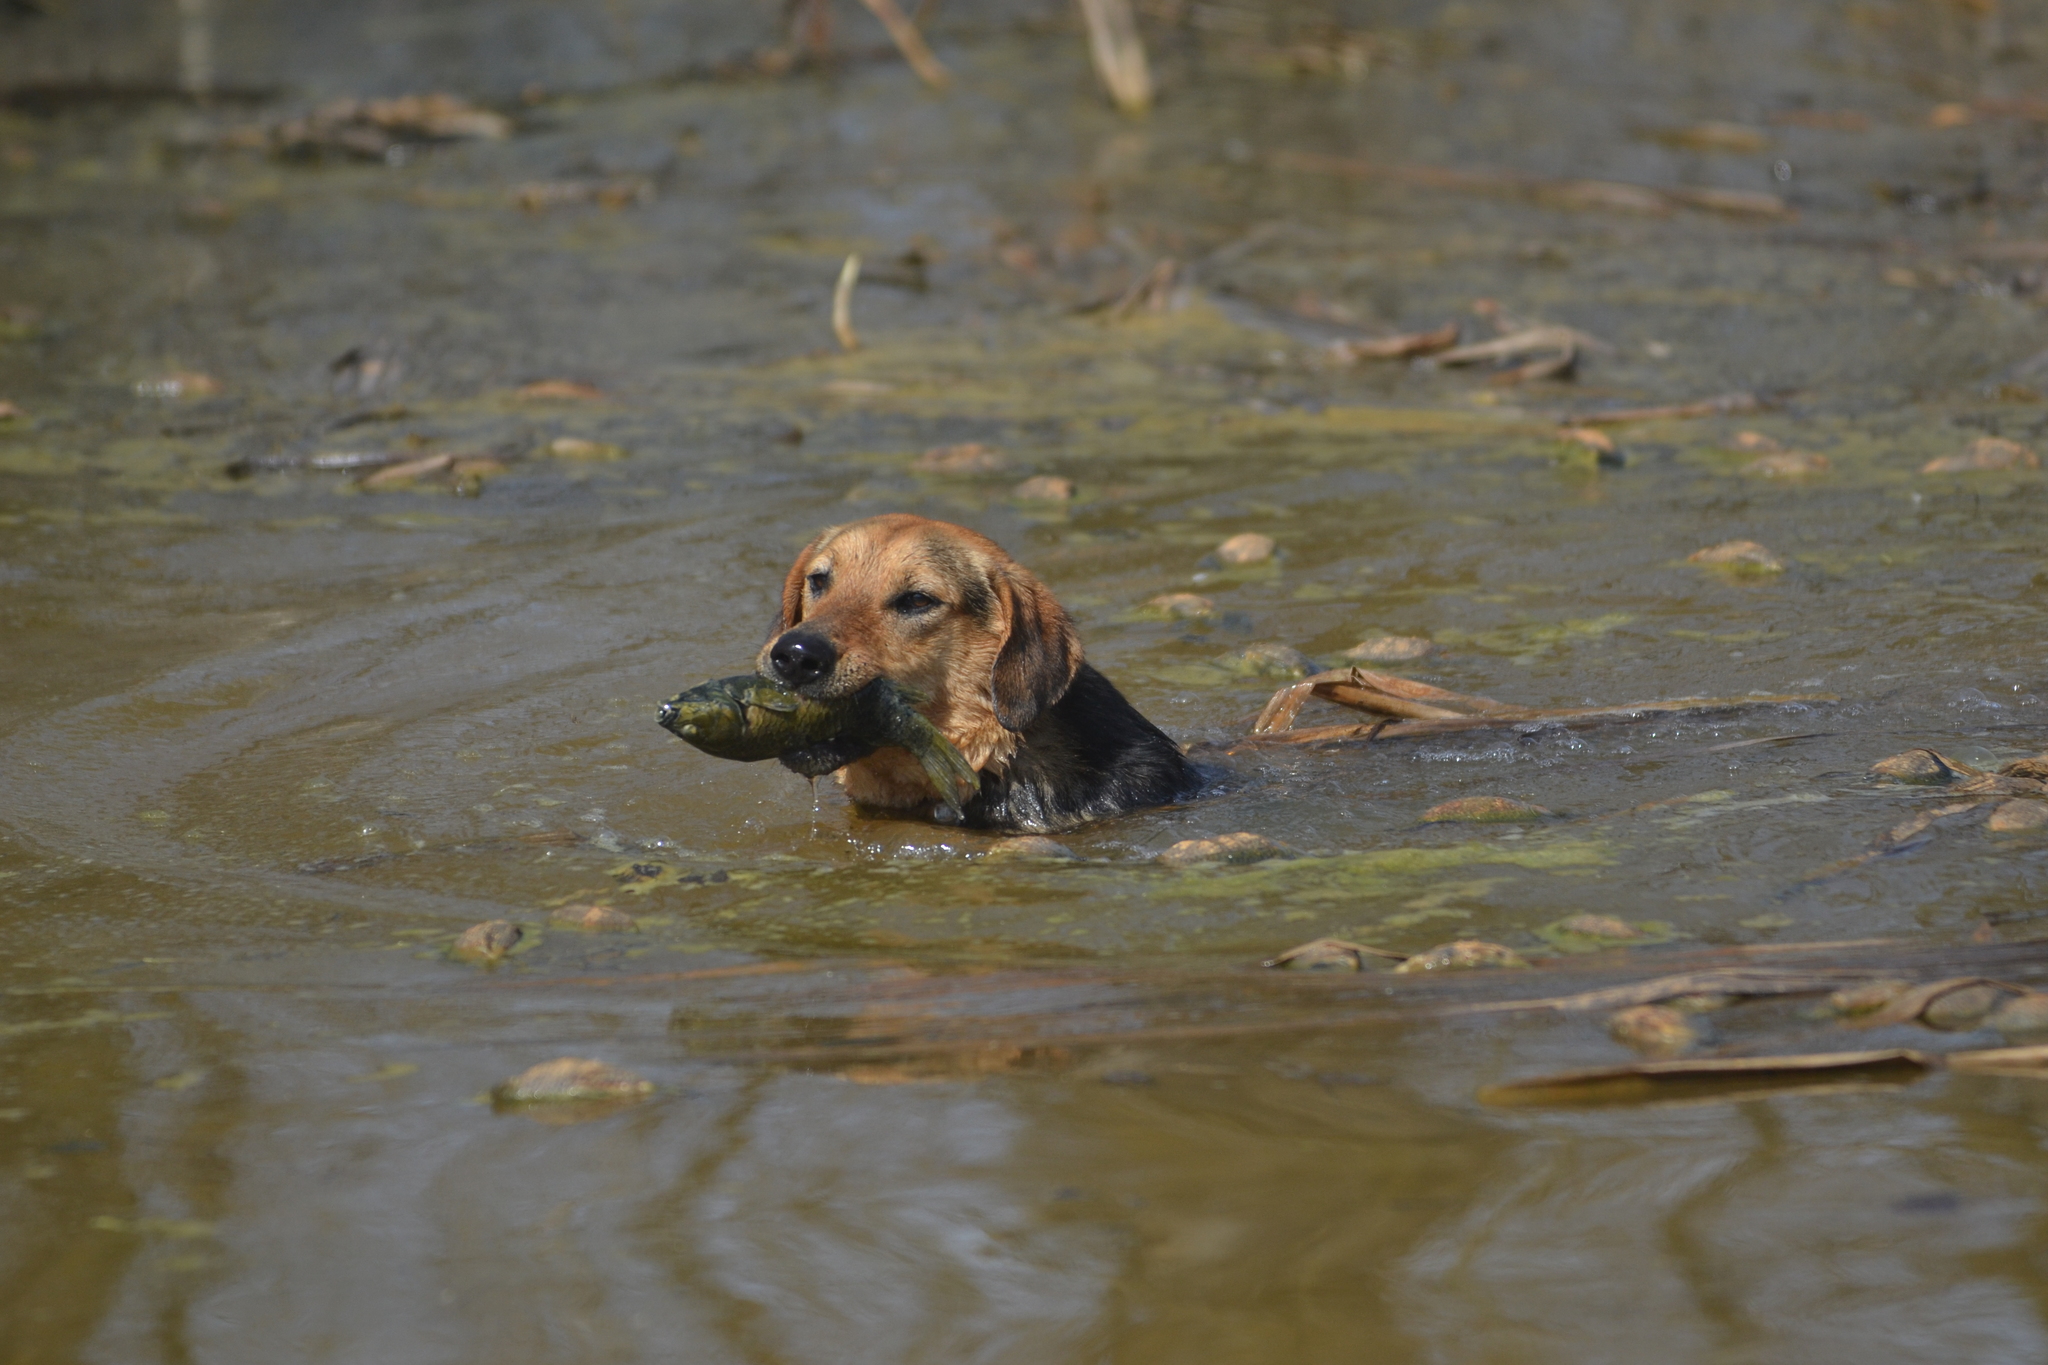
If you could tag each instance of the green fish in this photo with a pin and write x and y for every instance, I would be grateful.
(748, 719)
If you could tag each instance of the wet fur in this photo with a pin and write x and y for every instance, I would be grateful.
(1056, 744)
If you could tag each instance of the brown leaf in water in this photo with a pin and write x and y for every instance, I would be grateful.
(1464, 954)
(596, 919)
(486, 943)
(1657, 1030)
(1592, 438)
(1558, 366)
(1390, 649)
(1920, 767)
(1741, 203)
(1705, 407)
(1224, 848)
(1485, 810)
(1714, 136)
(569, 1079)
(1986, 453)
(1246, 547)
(407, 471)
(1526, 342)
(1044, 488)
(1403, 347)
(1738, 554)
(968, 457)
(583, 448)
(1787, 464)
(1330, 955)
(1714, 1078)
(559, 391)
(2018, 817)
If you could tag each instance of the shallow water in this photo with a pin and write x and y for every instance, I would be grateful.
(268, 743)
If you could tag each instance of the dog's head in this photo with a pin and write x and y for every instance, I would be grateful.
(929, 605)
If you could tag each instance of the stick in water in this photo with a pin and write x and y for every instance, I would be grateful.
(1119, 53)
(910, 43)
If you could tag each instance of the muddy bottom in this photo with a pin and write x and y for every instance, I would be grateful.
(358, 511)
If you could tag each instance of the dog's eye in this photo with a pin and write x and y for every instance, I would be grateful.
(818, 582)
(912, 603)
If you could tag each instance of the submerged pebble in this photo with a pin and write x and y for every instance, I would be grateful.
(1964, 1007)
(1985, 454)
(1917, 766)
(2026, 1013)
(1224, 848)
(1657, 1030)
(1044, 488)
(600, 919)
(1390, 649)
(487, 942)
(1463, 955)
(1183, 605)
(2035, 768)
(1787, 464)
(1270, 660)
(1247, 547)
(1321, 955)
(571, 1078)
(1738, 554)
(2015, 817)
(1483, 810)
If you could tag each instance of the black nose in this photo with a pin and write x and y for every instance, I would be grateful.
(801, 657)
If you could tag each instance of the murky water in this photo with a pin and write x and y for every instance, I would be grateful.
(271, 741)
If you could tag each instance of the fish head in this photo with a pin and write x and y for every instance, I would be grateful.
(708, 713)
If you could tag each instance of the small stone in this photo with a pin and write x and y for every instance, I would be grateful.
(571, 1078)
(1030, 846)
(1738, 554)
(598, 919)
(1224, 848)
(1787, 464)
(1867, 997)
(1463, 955)
(582, 448)
(1321, 955)
(1986, 454)
(1247, 547)
(11, 412)
(1044, 488)
(2035, 768)
(2026, 1013)
(1963, 1008)
(1484, 810)
(1599, 926)
(969, 457)
(486, 943)
(1270, 661)
(1390, 649)
(1756, 442)
(2017, 817)
(183, 384)
(1918, 766)
(1183, 605)
(1656, 1030)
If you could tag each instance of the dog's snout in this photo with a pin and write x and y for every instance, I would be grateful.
(802, 657)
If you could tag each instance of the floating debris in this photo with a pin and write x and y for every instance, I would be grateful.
(1741, 555)
(1246, 547)
(1715, 1078)
(486, 943)
(1657, 1030)
(1484, 810)
(571, 1078)
(1715, 137)
(1985, 454)
(1118, 53)
(1044, 488)
(1224, 848)
(842, 304)
(1704, 407)
(968, 457)
(374, 130)
(903, 32)
(558, 391)
(1465, 954)
(407, 471)
(1330, 955)
(1391, 649)
(596, 919)
(541, 195)
(1591, 438)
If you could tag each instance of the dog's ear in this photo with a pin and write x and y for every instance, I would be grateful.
(793, 585)
(1041, 651)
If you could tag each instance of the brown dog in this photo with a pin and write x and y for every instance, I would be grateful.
(940, 609)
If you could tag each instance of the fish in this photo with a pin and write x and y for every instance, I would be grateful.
(749, 719)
